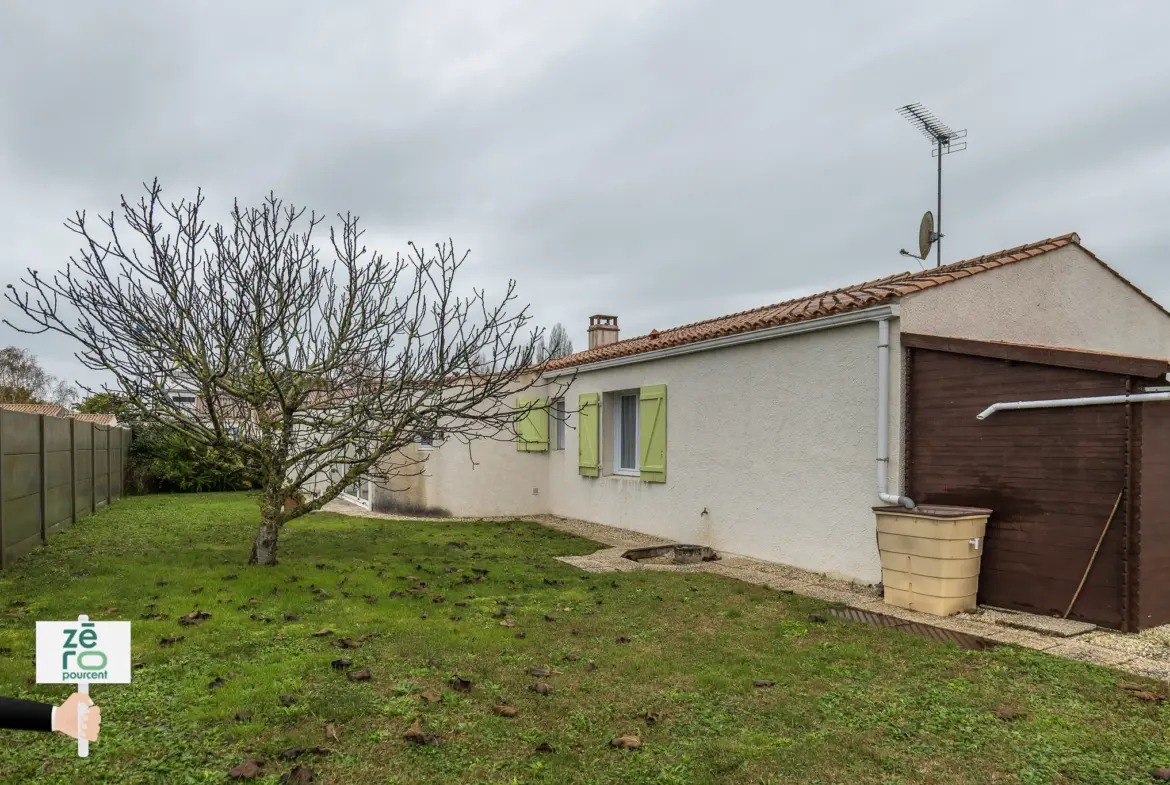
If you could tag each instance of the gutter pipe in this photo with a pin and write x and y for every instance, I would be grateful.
(883, 415)
(1058, 403)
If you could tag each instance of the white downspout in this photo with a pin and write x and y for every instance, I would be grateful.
(883, 415)
(1057, 403)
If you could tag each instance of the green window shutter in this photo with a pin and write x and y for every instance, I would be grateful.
(532, 425)
(588, 421)
(652, 424)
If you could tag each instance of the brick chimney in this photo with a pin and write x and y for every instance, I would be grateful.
(603, 330)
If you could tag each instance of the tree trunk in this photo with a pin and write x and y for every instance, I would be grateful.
(271, 505)
(264, 546)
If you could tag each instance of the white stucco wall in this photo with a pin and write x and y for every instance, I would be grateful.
(499, 482)
(1062, 298)
(776, 439)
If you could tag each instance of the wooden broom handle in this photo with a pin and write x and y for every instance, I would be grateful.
(1093, 558)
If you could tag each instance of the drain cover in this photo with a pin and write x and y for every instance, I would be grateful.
(961, 639)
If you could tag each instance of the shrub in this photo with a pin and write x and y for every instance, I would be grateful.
(162, 461)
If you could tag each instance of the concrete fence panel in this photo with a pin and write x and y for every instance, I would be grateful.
(20, 483)
(53, 471)
(101, 465)
(117, 463)
(82, 469)
(58, 474)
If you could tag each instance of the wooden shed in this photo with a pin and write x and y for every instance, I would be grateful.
(1051, 475)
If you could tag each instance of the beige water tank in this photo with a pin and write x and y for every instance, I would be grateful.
(930, 556)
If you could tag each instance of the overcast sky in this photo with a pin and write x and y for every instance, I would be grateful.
(663, 161)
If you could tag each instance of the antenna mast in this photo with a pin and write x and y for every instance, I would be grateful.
(945, 141)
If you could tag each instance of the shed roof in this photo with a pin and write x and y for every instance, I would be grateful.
(1060, 356)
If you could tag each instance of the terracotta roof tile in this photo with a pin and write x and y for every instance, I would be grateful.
(843, 300)
(100, 419)
(51, 409)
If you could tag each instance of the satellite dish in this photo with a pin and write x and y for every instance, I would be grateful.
(926, 235)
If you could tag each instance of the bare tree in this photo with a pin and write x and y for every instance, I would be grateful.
(559, 344)
(23, 380)
(316, 373)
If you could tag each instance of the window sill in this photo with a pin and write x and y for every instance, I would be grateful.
(355, 500)
(627, 473)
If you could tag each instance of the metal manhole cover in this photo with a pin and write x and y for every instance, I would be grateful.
(961, 639)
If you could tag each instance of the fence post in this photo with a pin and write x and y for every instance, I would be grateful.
(92, 468)
(72, 471)
(109, 467)
(44, 483)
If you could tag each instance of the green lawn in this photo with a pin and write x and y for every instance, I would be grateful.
(851, 704)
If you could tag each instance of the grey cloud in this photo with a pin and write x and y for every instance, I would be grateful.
(665, 161)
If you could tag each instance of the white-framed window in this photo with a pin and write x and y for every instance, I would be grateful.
(558, 413)
(184, 400)
(358, 492)
(428, 440)
(625, 434)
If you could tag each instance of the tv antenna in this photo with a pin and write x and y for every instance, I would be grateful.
(945, 142)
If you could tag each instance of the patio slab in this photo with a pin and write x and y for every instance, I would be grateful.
(1026, 638)
(1047, 625)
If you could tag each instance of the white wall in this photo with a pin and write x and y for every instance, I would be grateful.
(1062, 298)
(776, 439)
(499, 481)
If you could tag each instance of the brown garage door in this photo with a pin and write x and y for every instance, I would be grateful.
(1151, 527)
(1051, 475)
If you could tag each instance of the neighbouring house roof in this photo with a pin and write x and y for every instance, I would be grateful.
(849, 298)
(100, 419)
(50, 409)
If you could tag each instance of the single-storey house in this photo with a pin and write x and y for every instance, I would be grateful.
(775, 432)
